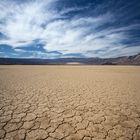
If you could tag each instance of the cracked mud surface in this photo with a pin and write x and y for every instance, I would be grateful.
(69, 102)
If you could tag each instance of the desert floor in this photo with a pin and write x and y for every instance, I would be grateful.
(70, 102)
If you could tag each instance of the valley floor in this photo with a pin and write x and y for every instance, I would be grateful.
(70, 102)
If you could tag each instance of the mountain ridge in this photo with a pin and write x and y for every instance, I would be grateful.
(123, 60)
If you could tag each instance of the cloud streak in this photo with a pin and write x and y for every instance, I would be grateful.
(63, 33)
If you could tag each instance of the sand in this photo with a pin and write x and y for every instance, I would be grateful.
(70, 102)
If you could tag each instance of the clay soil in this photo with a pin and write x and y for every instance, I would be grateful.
(70, 102)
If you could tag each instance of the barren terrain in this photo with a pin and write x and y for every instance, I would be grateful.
(69, 102)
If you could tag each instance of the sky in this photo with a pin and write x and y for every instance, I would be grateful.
(51, 29)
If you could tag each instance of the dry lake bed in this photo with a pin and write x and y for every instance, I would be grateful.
(70, 102)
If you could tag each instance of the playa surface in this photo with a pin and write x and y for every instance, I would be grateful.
(70, 102)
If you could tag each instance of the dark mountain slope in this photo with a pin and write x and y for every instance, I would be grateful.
(125, 60)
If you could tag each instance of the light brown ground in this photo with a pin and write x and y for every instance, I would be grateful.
(69, 102)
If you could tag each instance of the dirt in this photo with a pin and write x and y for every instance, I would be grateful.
(70, 102)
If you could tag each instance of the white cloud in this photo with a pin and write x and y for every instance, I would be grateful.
(24, 22)
(31, 20)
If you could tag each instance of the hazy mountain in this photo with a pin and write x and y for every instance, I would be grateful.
(125, 60)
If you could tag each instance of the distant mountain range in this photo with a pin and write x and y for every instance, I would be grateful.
(124, 60)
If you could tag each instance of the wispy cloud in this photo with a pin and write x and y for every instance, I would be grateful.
(95, 35)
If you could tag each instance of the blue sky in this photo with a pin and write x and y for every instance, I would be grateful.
(69, 28)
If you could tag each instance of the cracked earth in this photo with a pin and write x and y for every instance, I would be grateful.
(69, 103)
